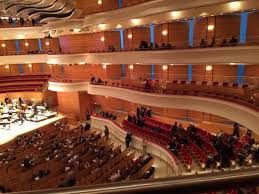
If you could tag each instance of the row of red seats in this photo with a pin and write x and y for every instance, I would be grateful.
(147, 133)
(206, 137)
(187, 159)
(210, 149)
(197, 152)
(165, 128)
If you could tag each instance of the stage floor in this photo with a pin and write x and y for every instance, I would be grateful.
(16, 129)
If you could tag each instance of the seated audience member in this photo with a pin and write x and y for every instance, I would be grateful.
(111, 48)
(68, 182)
(173, 146)
(116, 176)
(40, 174)
(129, 118)
(168, 46)
(203, 43)
(233, 41)
(147, 86)
(92, 80)
(99, 81)
(143, 45)
(174, 128)
(148, 112)
(213, 42)
(249, 133)
(180, 130)
(156, 46)
(149, 173)
(2, 189)
(224, 43)
(87, 126)
(7, 100)
(163, 45)
(151, 45)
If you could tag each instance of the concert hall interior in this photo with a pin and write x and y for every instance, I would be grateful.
(129, 96)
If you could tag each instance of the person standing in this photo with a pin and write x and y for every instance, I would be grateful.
(106, 132)
(236, 130)
(128, 140)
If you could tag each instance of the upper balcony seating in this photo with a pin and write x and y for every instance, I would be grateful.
(53, 155)
(239, 93)
(34, 82)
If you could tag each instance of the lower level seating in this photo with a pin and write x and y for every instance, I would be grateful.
(62, 157)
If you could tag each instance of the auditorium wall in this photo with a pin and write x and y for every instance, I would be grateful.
(90, 42)
(37, 96)
(252, 28)
(74, 104)
(13, 47)
(23, 69)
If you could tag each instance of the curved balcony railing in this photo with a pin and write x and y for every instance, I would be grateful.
(240, 94)
(241, 90)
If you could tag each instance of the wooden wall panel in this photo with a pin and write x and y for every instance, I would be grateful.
(56, 70)
(68, 102)
(227, 26)
(201, 31)
(251, 75)
(198, 72)
(37, 68)
(159, 37)
(138, 34)
(46, 68)
(112, 38)
(82, 43)
(252, 28)
(178, 72)
(225, 73)
(114, 72)
(10, 46)
(84, 72)
(178, 34)
(139, 71)
(14, 69)
(4, 71)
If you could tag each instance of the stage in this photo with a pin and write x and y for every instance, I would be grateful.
(10, 132)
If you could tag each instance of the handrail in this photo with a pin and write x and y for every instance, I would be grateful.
(182, 184)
